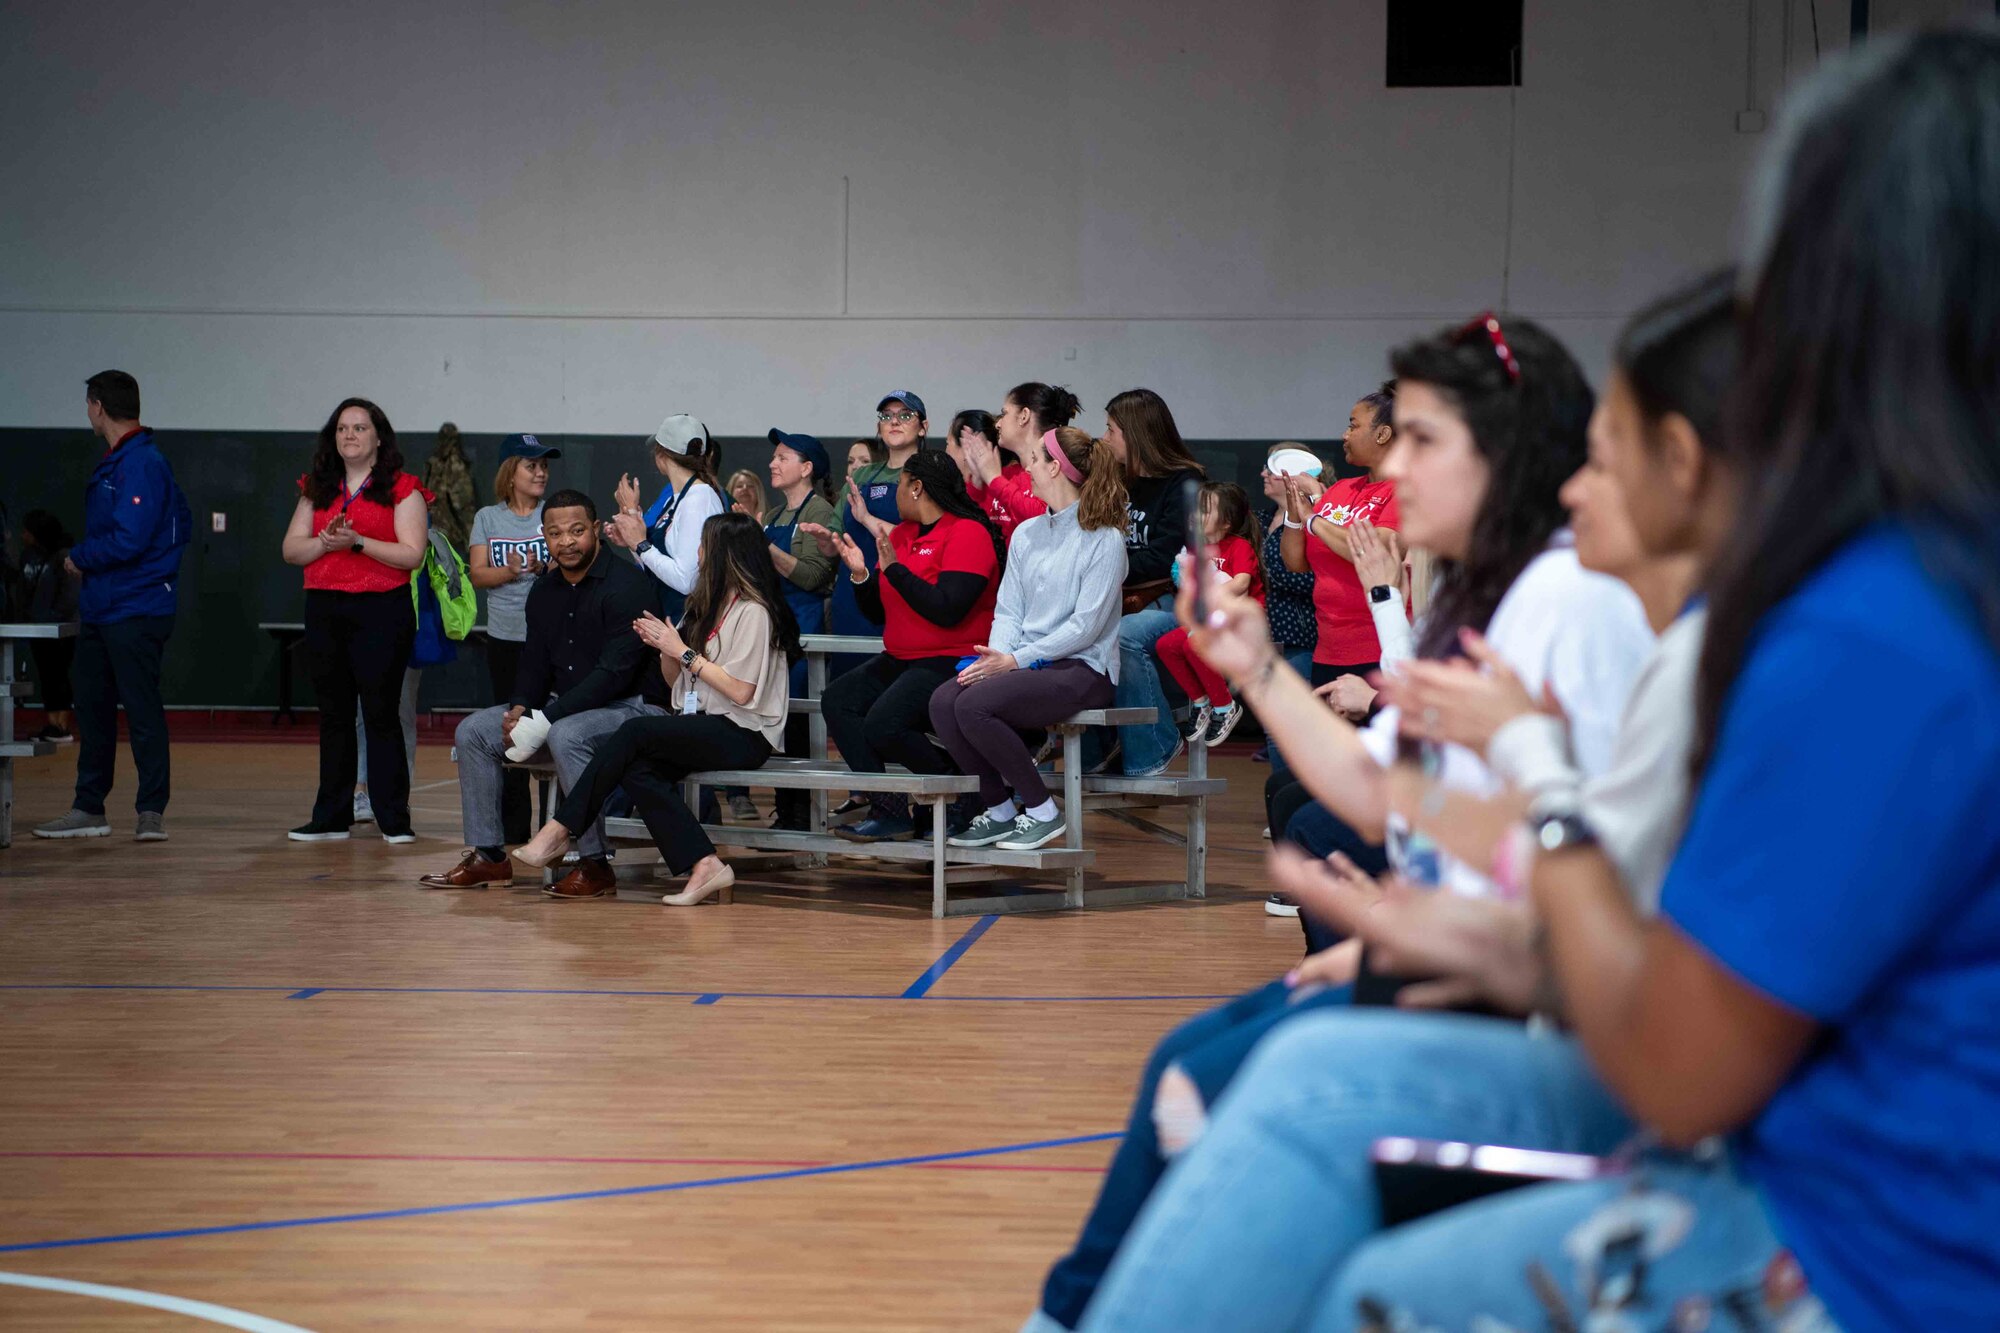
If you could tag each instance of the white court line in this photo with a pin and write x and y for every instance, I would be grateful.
(428, 786)
(214, 1314)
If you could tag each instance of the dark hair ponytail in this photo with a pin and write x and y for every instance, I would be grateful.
(938, 474)
(1531, 431)
(1679, 354)
(1049, 404)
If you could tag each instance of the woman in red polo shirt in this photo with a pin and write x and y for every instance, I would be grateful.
(932, 592)
(359, 528)
(1316, 538)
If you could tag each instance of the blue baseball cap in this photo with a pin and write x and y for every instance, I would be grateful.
(807, 447)
(907, 399)
(527, 446)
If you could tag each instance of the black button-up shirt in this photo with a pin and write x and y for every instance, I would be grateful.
(581, 651)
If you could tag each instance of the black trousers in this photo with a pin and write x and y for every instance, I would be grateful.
(648, 757)
(879, 712)
(503, 659)
(357, 648)
(53, 660)
(118, 664)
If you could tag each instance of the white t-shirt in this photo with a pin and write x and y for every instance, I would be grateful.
(1582, 634)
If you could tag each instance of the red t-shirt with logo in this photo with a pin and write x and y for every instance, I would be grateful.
(1232, 556)
(346, 571)
(954, 545)
(1340, 603)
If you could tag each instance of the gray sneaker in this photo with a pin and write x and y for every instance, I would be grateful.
(75, 824)
(983, 832)
(1031, 834)
(152, 827)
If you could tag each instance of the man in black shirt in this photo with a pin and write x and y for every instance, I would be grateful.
(583, 674)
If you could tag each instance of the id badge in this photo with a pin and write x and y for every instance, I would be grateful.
(690, 703)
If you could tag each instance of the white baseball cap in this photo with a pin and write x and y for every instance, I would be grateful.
(1293, 463)
(677, 432)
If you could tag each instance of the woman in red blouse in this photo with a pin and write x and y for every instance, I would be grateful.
(359, 528)
(994, 477)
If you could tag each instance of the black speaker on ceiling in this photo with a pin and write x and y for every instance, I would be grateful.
(1454, 43)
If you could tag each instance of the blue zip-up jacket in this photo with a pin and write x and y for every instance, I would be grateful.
(136, 523)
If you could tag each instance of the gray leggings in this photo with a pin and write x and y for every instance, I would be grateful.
(981, 724)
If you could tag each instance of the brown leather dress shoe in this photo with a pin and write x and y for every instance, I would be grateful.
(590, 879)
(474, 872)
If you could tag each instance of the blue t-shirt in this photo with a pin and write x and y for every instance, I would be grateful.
(1843, 857)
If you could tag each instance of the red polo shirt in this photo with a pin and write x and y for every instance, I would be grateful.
(953, 545)
(347, 571)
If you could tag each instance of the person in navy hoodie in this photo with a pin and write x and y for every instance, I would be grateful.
(136, 523)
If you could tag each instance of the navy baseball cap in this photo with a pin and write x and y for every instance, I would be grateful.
(907, 399)
(807, 447)
(527, 446)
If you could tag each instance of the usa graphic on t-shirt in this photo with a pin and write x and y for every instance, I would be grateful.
(506, 552)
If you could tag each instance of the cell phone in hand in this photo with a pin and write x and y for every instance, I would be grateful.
(1197, 545)
(1415, 1178)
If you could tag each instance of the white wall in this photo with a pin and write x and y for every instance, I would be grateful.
(579, 218)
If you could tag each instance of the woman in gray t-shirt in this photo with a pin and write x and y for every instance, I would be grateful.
(507, 553)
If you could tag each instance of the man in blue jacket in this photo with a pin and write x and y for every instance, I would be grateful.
(135, 525)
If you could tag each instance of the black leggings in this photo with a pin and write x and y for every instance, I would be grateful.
(878, 713)
(358, 645)
(648, 757)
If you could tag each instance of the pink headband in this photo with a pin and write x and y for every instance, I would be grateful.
(1068, 469)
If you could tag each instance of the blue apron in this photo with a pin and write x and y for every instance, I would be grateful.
(808, 608)
(878, 493)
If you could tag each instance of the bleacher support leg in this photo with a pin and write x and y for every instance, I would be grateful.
(1072, 762)
(937, 856)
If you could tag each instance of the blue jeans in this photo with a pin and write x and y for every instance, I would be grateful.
(1209, 1048)
(1257, 1219)
(1301, 661)
(1609, 1253)
(1147, 746)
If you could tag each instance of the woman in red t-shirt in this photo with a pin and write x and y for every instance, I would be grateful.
(359, 528)
(932, 592)
(1231, 533)
(1315, 538)
(995, 476)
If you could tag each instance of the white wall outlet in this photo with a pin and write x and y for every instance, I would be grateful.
(218, 522)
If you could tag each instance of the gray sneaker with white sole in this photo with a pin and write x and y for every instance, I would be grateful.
(75, 824)
(152, 827)
(1032, 834)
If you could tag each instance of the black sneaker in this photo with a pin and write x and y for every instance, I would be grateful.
(53, 735)
(315, 832)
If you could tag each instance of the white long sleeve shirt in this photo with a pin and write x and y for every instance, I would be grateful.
(675, 557)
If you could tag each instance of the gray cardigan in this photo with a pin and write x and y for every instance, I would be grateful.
(1061, 595)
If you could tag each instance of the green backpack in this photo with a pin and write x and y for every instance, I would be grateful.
(451, 584)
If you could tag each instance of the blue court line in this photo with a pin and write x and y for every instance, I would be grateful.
(698, 996)
(488, 1205)
(709, 998)
(921, 986)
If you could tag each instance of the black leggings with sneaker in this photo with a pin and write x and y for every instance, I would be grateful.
(358, 645)
(649, 757)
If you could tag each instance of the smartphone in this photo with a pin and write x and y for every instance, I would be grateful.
(1197, 545)
(1415, 1178)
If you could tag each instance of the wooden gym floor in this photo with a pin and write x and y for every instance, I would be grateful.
(279, 1078)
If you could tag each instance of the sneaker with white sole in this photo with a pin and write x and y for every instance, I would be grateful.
(1031, 834)
(75, 824)
(1222, 722)
(1199, 716)
(364, 810)
(318, 833)
(152, 827)
(1180, 748)
(399, 837)
(1279, 905)
(983, 832)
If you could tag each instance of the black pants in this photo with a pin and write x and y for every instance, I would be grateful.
(357, 648)
(53, 659)
(648, 757)
(879, 712)
(118, 664)
(503, 659)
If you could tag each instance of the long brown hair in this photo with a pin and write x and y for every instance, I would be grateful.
(1103, 502)
(328, 473)
(735, 561)
(1153, 446)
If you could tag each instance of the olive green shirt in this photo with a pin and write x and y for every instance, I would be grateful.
(813, 572)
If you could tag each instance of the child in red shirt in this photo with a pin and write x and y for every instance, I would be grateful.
(1231, 533)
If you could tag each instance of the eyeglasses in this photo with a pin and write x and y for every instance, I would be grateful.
(895, 418)
(1489, 324)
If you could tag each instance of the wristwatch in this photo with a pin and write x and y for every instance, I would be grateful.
(687, 659)
(644, 548)
(1381, 592)
(356, 548)
(1561, 832)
